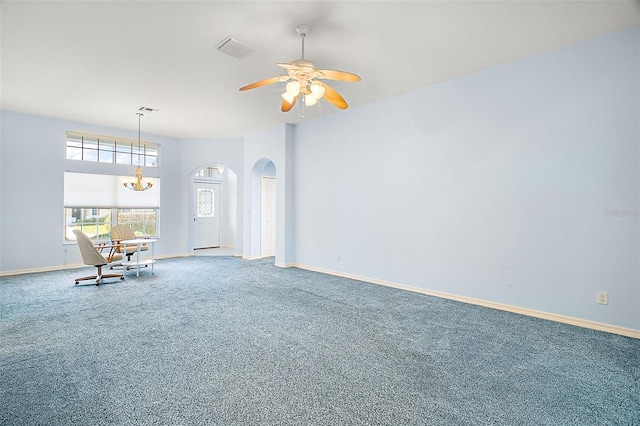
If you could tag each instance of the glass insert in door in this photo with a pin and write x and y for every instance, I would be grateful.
(205, 203)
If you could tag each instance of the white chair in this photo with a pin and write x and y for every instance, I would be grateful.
(92, 256)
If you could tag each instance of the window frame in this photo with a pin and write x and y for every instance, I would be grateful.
(92, 148)
(114, 219)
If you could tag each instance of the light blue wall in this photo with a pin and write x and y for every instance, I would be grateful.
(493, 186)
(32, 188)
(260, 148)
(33, 162)
(269, 170)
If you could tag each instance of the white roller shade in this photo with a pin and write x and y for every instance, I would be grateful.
(107, 191)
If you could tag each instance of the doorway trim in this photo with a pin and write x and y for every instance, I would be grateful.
(230, 203)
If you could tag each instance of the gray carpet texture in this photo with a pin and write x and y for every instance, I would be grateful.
(223, 341)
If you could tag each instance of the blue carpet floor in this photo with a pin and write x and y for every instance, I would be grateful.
(218, 340)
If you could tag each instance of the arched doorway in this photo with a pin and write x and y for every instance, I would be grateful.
(213, 205)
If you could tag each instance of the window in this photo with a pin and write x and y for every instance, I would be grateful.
(209, 172)
(105, 149)
(142, 221)
(206, 200)
(97, 223)
(95, 202)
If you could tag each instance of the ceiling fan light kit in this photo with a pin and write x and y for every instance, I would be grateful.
(304, 80)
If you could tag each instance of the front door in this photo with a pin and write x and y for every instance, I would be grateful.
(207, 216)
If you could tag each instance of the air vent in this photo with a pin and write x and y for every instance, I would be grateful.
(235, 48)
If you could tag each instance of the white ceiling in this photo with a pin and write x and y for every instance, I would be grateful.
(98, 62)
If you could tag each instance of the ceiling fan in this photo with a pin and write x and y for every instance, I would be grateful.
(305, 80)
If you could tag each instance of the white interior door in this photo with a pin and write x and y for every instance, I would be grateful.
(207, 215)
(267, 216)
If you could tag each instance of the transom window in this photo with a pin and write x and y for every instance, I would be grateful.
(210, 172)
(106, 149)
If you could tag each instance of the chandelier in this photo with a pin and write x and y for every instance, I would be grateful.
(137, 184)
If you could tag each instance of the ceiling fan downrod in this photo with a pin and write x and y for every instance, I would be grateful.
(303, 30)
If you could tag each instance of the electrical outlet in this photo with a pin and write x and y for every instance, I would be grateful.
(338, 258)
(603, 298)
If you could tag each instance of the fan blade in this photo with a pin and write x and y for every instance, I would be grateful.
(286, 106)
(337, 75)
(265, 82)
(334, 97)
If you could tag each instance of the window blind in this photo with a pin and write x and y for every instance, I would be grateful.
(107, 191)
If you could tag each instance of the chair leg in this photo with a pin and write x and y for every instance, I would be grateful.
(100, 276)
(90, 277)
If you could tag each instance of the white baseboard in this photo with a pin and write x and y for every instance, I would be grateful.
(43, 269)
(623, 331)
(169, 256)
(251, 258)
(72, 266)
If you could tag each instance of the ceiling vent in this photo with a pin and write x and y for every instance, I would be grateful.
(235, 48)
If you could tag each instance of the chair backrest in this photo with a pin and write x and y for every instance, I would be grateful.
(90, 255)
(122, 232)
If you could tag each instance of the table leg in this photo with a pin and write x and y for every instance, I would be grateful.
(138, 260)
